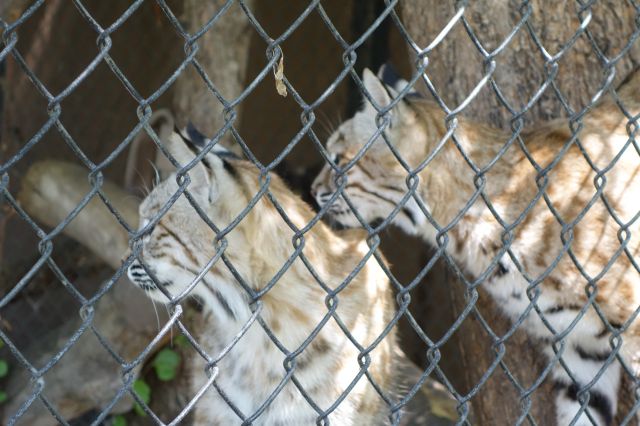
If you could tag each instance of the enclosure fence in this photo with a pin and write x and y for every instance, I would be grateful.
(584, 9)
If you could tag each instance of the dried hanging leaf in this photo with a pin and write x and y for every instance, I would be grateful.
(279, 76)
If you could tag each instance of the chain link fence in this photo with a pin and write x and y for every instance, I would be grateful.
(387, 13)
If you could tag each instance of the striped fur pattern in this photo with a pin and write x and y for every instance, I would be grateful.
(378, 182)
(180, 244)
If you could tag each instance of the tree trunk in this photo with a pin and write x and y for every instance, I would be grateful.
(223, 55)
(455, 68)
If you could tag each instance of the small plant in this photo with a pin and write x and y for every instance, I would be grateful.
(142, 389)
(180, 341)
(166, 364)
(119, 420)
(4, 371)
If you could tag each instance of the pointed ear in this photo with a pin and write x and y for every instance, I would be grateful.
(200, 178)
(383, 95)
(375, 88)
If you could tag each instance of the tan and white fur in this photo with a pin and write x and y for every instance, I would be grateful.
(179, 245)
(377, 183)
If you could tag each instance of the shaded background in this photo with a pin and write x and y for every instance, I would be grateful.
(57, 44)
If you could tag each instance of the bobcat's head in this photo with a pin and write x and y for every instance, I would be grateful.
(178, 245)
(376, 184)
(180, 250)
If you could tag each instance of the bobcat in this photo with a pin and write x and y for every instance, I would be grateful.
(342, 356)
(377, 186)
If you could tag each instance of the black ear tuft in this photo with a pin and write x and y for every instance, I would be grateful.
(197, 138)
(388, 75)
(194, 140)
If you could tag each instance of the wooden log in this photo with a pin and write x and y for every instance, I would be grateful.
(52, 189)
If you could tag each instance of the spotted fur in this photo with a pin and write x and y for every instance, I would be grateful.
(179, 246)
(378, 182)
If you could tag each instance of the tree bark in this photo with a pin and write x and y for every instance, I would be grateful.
(10, 10)
(455, 67)
(223, 54)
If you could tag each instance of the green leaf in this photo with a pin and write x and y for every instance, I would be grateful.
(3, 396)
(119, 421)
(4, 368)
(139, 410)
(1, 343)
(166, 364)
(180, 341)
(142, 389)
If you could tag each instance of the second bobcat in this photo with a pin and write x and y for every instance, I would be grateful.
(548, 219)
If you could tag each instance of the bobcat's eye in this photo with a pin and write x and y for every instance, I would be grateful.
(336, 159)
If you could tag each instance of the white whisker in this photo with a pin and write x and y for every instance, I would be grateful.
(166, 307)
(153, 303)
(156, 179)
(327, 125)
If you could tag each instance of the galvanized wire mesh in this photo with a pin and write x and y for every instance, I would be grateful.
(54, 100)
